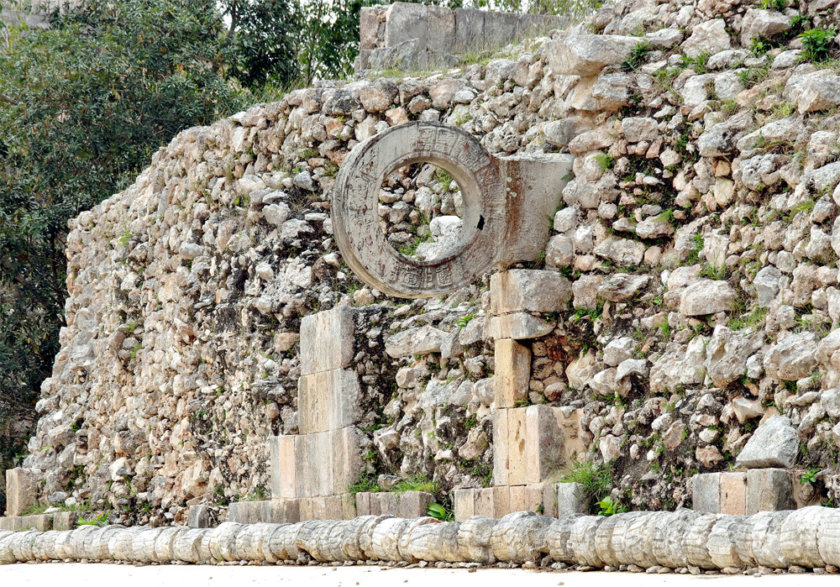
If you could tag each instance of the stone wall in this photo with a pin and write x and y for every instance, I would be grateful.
(699, 235)
(419, 36)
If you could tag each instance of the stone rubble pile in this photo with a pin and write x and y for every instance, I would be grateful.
(806, 538)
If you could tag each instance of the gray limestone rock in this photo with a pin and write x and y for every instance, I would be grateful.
(762, 24)
(794, 357)
(773, 444)
(587, 55)
(706, 296)
(707, 37)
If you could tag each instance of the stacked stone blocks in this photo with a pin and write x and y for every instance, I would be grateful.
(766, 484)
(531, 443)
(21, 495)
(311, 472)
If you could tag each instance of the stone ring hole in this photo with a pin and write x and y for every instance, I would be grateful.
(421, 211)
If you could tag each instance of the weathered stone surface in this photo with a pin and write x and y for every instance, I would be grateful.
(773, 444)
(586, 55)
(766, 284)
(415, 341)
(721, 139)
(200, 516)
(727, 354)
(707, 37)
(733, 493)
(622, 286)
(518, 326)
(813, 91)
(705, 491)
(407, 504)
(620, 251)
(762, 23)
(769, 490)
(534, 443)
(679, 366)
(20, 491)
(527, 290)
(792, 358)
(328, 400)
(572, 499)
(513, 373)
(326, 340)
(706, 296)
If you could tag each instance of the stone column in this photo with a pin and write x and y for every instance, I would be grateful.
(312, 471)
(531, 443)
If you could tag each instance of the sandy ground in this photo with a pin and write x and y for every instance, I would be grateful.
(88, 575)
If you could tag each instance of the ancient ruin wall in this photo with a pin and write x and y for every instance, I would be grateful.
(420, 37)
(699, 234)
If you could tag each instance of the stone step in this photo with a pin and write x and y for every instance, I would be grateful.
(42, 522)
(744, 492)
(290, 511)
(495, 502)
(405, 504)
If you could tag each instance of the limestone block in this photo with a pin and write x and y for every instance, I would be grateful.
(586, 55)
(368, 27)
(405, 504)
(518, 501)
(326, 340)
(362, 503)
(500, 447)
(64, 520)
(307, 509)
(469, 29)
(413, 504)
(769, 490)
(328, 400)
(499, 28)
(517, 438)
(775, 443)
(41, 522)
(484, 504)
(534, 447)
(572, 499)
(284, 452)
(706, 296)
(528, 290)
(200, 516)
(705, 488)
(20, 491)
(512, 372)
(434, 26)
(275, 511)
(519, 326)
(537, 181)
(463, 502)
(733, 493)
(541, 498)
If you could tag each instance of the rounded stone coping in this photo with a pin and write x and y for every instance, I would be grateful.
(808, 537)
(355, 205)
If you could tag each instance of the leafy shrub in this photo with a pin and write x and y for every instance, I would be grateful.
(816, 44)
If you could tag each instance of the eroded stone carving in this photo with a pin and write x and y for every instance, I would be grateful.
(507, 204)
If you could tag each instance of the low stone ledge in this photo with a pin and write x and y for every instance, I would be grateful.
(41, 522)
(809, 537)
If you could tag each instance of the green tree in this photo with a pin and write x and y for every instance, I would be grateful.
(83, 105)
(263, 37)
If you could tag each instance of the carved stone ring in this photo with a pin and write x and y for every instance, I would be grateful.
(506, 208)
